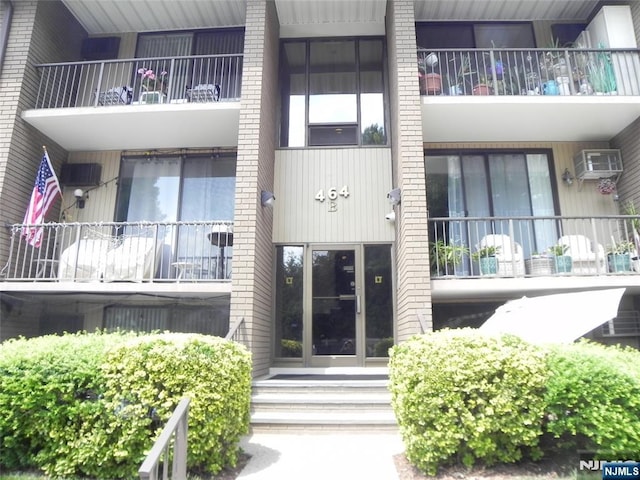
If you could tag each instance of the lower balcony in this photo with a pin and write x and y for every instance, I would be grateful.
(109, 256)
(503, 257)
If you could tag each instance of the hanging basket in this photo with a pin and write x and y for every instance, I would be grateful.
(606, 186)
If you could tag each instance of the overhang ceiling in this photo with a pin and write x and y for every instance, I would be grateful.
(101, 17)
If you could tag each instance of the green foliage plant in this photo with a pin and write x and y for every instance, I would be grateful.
(485, 252)
(91, 405)
(593, 399)
(446, 255)
(558, 250)
(290, 348)
(51, 394)
(149, 375)
(461, 397)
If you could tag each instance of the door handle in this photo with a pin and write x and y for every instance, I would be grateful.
(357, 303)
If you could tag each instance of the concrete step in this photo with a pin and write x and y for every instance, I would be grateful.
(334, 404)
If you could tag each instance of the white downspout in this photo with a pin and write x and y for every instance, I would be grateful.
(6, 24)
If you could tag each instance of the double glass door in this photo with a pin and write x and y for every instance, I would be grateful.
(334, 304)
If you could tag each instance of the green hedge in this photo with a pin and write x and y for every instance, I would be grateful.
(93, 404)
(462, 397)
(593, 399)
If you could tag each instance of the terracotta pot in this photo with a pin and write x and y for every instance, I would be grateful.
(432, 83)
(481, 89)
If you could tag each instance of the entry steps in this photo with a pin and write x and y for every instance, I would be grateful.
(325, 401)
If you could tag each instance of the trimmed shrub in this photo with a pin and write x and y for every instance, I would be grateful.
(92, 405)
(148, 376)
(462, 397)
(51, 390)
(593, 399)
(290, 348)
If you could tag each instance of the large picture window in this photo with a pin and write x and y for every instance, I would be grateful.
(332, 93)
(167, 189)
(492, 184)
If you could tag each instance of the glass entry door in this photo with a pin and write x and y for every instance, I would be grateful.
(335, 334)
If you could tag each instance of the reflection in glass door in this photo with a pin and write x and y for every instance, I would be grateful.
(335, 306)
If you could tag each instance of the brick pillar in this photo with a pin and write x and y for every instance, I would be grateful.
(251, 295)
(412, 245)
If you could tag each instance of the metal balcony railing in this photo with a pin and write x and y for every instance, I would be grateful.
(534, 246)
(123, 251)
(198, 78)
(517, 71)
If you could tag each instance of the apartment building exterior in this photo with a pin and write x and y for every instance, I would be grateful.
(316, 177)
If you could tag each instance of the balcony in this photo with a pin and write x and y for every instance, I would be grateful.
(526, 257)
(186, 102)
(508, 95)
(122, 256)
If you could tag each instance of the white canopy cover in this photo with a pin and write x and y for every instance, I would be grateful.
(558, 318)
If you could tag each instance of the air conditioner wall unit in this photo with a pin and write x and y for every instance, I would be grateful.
(597, 163)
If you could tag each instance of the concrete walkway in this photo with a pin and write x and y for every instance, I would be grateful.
(321, 456)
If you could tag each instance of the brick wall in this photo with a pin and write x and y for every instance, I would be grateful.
(412, 248)
(40, 32)
(251, 297)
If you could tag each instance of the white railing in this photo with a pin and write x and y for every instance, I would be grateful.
(123, 251)
(529, 246)
(174, 434)
(518, 71)
(237, 332)
(198, 78)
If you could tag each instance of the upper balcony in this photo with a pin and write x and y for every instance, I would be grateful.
(508, 95)
(176, 102)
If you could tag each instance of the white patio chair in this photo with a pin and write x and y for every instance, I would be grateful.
(510, 254)
(586, 257)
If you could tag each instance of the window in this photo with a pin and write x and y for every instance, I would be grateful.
(177, 188)
(475, 35)
(493, 184)
(332, 93)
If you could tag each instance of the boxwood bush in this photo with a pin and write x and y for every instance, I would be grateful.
(93, 404)
(461, 397)
(593, 399)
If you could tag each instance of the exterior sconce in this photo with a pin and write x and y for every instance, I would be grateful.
(80, 198)
(394, 197)
(267, 198)
(567, 178)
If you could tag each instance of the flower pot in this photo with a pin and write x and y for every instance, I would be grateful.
(432, 83)
(563, 263)
(540, 266)
(620, 262)
(481, 89)
(488, 265)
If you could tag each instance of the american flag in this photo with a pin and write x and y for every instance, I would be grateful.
(45, 191)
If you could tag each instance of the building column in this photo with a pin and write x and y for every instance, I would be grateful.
(251, 297)
(412, 240)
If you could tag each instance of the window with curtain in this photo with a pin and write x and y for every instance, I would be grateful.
(178, 188)
(492, 184)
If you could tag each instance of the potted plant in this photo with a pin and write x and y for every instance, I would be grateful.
(486, 258)
(462, 73)
(483, 86)
(619, 256)
(446, 256)
(562, 263)
(430, 80)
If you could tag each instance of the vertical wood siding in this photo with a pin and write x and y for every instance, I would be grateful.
(360, 217)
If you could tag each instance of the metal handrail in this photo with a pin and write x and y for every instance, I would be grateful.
(529, 71)
(176, 430)
(234, 331)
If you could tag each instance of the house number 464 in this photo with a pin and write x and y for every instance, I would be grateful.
(332, 194)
